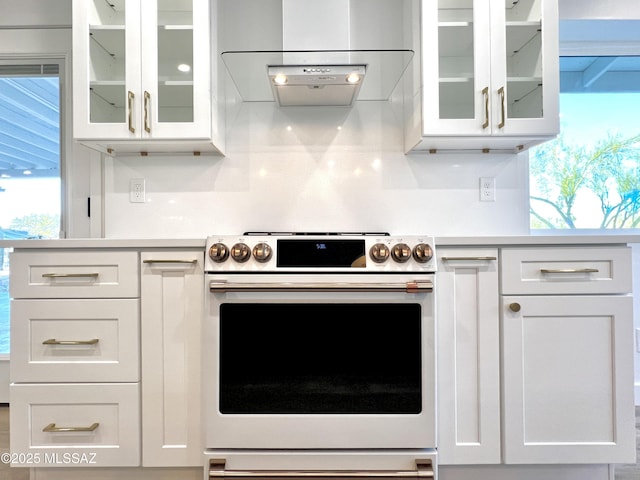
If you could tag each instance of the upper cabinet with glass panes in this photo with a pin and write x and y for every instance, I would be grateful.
(142, 75)
(489, 76)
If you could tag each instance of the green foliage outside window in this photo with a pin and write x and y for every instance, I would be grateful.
(589, 176)
(605, 176)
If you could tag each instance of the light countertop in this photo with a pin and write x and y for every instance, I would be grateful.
(182, 243)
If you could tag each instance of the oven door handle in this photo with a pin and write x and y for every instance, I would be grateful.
(421, 286)
(424, 469)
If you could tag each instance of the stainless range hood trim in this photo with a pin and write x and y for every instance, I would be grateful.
(249, 69)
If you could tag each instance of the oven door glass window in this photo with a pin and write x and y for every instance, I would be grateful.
(320, 358)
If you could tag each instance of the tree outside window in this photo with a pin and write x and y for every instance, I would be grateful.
(589, 177)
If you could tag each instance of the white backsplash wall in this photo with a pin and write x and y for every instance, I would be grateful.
(316, 169)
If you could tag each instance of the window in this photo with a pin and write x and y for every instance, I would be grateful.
(589, 177)
(30, 186)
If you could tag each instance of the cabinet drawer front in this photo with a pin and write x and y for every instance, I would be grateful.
(76, 425)
(81, 274)
(82, 340)
(563, 270)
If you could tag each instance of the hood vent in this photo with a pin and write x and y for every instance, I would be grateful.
(316, 59)
(309, 85)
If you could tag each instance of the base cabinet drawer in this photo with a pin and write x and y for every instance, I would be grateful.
(79, 274)
(81, 340)
(92, 425)
(566, 270)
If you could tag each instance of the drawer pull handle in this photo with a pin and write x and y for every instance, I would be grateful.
(569, 270)
(70, 275)
(170, 261)
(53, 341)
(424, 470)
(467, 259)
(52, 428)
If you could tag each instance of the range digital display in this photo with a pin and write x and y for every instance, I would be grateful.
(321, 253)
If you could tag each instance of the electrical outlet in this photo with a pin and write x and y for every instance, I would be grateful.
(136, 190)
(487, 189)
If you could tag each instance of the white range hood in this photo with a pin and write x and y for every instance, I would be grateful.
(318, 59)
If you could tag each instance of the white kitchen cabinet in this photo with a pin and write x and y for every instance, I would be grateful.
(75, 340)
(567, 356)
(74, 274)
(86, 425)
(75, 322)
(142, 75)
(172, 310)
(489, 76)
(468, 356)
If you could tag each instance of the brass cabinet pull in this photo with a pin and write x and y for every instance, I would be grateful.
(52, 428)
(485, 94)
(170, 261)
(514, 307)
(53, 341)
(147, 99)
(569, 270)
(424, 469)
(502, 95)
(467, 259)
(130, 97)
(408, 287)
(70, 275)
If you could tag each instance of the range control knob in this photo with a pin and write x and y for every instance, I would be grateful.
(240, 252)
(218, 252)
(422, 253)
(262, 252)
(401, 252)
(379, 253)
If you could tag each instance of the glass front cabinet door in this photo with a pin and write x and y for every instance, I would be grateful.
(142, 69)
(490, 69)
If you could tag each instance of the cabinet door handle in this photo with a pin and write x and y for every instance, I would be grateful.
(569, 270)
(467, 259)
(130, 97)
(502, 95)
(53, 341)
(53, 428)
(70, 275)
(485, 94)
(514, 307)
(170, 261)
(147, 100)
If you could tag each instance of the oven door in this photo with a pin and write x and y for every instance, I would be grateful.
(338, 361)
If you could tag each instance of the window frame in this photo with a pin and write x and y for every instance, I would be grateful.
(590, 42)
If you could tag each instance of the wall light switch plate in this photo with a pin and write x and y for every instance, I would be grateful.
(136, 190)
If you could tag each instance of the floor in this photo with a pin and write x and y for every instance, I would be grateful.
(631, 472)
(623, 472)
(7, 473)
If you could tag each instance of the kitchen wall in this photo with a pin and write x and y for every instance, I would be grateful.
(322, 168)
(316, 169)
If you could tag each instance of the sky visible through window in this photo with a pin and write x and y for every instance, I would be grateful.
(30, 186)
(588, 122)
